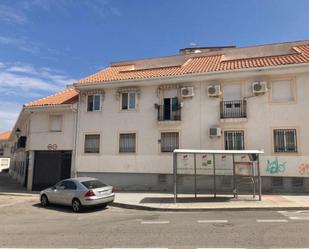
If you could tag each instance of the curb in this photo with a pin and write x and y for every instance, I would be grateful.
(19, 194)
(148, 208)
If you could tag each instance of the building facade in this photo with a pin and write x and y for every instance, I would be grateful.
(131, 115)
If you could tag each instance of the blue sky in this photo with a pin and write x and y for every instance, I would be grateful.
(48, 44)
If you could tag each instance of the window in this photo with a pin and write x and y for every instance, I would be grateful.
(93, 103)
(69, 185)
(127, 142)
(234, 140)
(128, 101)
(281, 91)
(170, 109)
(285, 140)
(169, 141)
(92, 184)
(92, 143)
(55, 122)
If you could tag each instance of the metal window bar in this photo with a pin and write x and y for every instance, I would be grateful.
(127, 142)
(169, 141)
(234, 140)
(173, 114)
(285, 140)
(233, 109)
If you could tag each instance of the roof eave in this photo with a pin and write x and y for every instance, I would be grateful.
(185, 77)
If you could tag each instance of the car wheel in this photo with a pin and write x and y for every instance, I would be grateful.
(76, 206)
(44, 201)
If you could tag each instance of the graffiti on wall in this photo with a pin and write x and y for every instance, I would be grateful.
(274, 167)
(303, 169)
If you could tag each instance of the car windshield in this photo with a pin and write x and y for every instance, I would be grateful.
(91, 184)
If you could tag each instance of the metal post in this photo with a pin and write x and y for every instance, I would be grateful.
(175, 175)
(195, 191)
(214, 165)
(259, 177)
(253, 177)
(234, 177)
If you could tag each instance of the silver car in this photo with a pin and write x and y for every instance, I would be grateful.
(78, 192)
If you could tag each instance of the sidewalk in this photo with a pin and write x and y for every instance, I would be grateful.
(165, 202)
(9, 186)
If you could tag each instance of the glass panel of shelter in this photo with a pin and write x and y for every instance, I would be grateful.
(201, 174)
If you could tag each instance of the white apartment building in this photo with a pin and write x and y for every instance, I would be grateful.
(131, 115)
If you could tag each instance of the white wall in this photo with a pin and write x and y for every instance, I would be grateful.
(40, 135)
(198, 115)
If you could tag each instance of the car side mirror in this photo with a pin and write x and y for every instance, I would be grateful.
(60, 187)
(53, 187)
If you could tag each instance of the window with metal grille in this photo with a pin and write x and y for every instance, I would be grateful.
(169, 141)
(93, 103)
(234, 140)
(92, 143)
(127, 142)
(285, 140)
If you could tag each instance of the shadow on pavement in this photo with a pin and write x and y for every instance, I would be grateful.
(67, 209)
(185, 199)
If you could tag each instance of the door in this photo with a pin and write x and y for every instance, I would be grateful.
(232, 100)
(50, 167)
(170, 107)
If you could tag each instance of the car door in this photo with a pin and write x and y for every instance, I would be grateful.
(55, 192)
(69, 192)
(58, 193)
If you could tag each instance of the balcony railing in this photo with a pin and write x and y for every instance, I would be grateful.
(233, 109)
(166, 113)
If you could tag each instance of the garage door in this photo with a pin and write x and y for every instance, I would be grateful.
(50, 167)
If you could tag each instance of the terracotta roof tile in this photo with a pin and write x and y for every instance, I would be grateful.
(203, 64)
(5, 135)
(67, 96)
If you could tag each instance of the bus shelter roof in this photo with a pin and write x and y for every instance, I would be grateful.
(184, 151)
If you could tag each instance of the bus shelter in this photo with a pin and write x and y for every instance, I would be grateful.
(239, 164)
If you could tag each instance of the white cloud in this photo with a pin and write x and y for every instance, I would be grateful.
(18, 79)
(21, 43)
(12, 16)
(20, 12)
(21, 83)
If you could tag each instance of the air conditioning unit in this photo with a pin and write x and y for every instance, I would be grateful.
(213, 91)
(215, 132)
(187, 92)
(259, 87)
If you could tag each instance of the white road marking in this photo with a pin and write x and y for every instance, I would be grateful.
(272, 220)
(136, 248)
(221, 248)
(212, 221)
(298, 218)
(155, 222)
(296, 215)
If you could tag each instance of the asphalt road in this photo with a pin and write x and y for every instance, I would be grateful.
(24, 224)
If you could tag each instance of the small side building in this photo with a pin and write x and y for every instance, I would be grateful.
(43, 139)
